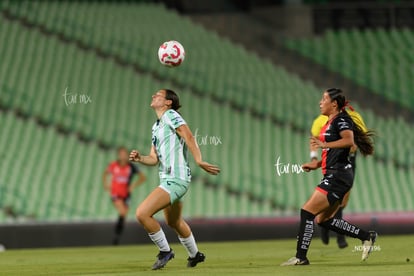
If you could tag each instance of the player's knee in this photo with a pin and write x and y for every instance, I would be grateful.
(172, 223)
(320, 220)
(123, 213)
(141, 216)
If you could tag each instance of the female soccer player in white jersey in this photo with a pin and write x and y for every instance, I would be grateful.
(171, 139)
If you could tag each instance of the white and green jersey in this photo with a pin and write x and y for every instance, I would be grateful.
(171, 148)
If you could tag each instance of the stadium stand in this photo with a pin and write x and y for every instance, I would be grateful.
(222, 81)
(57, 48)
(378, 59)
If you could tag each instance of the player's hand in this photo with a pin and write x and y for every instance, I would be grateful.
(210, 168)
(310, 166)
(315, 142)
(134, 156)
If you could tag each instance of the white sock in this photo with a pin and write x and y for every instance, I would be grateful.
(160, 240)
(190, 245)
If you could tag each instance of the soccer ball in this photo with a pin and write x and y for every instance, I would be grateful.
(171, 53)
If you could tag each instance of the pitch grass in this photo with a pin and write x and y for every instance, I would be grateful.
(229, 258)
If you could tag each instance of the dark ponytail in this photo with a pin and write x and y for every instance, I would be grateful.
(173, 97)
(363, 139)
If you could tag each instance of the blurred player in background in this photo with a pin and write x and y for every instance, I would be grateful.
(336, 139)
(317, 126)
(171, 141)
(122, 172)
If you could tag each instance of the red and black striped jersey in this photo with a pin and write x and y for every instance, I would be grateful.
(335, 158)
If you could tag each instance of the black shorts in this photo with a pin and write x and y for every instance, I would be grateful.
(335, 184)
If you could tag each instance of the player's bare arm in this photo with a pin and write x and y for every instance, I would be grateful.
(185, 132)
(312, 146)
(149, 160)
(141, 179)
(106, 185)
(312, 165)
(347, 140)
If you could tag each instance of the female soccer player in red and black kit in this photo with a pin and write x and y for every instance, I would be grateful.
(122, 172)
(317, 125)
(336, 139)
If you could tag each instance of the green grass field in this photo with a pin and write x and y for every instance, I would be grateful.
(236, 258)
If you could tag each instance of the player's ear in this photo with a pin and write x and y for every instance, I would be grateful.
(168, 103)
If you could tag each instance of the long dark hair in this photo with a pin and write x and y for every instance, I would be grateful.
(173, 97)
(363, 139)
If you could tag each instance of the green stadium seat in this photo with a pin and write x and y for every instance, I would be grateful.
(378, 59)
(65, 182)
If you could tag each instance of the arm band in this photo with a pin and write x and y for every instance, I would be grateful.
(313, 154)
